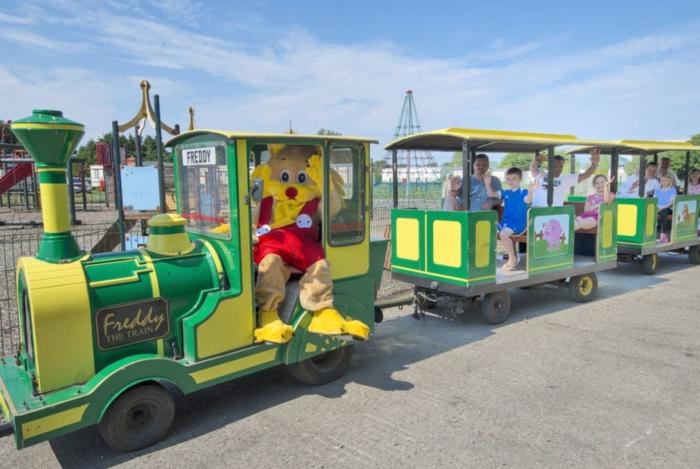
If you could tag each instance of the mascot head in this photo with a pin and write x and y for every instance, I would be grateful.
(288, 176)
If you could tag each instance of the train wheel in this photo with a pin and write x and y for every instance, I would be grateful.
(583, 288)
(323, 368)
(495, 307)
(378, 314)
(650, 264)
(694, 254)
(138, 418)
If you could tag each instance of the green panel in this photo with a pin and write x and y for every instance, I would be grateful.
(482, 251)
(414, 265)
(606, 238)
(685, 218)
(377, 258)
(550, 234)
(456, 252)
(576, 198)
(645, 209)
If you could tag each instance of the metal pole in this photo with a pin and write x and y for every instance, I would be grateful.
(37, 200)
(642, 169)
(550, 176)
(159, 152)
(466, 176)
(573, 171)
(82, 184)
(687, 172)
(116, 163)
(139, 155)
(395, 178)
(614, 168)
(71, 193)
(25, 190)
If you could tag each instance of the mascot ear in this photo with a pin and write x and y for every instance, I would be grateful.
(337, 183)
(261, 171)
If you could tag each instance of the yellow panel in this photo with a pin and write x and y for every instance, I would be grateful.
(447, 243)
(626, 220)
(228, 328)
(53, 422)
(651, 220)
(60, 309)
(607, 223)
(407, 239)
(233, 366)
(482, 243)
(310, 348)
(54, 200)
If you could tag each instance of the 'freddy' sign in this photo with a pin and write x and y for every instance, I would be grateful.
(132, 323)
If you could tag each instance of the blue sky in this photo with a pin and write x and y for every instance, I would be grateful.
(595, 69)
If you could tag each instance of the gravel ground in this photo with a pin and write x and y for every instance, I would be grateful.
(611, 383)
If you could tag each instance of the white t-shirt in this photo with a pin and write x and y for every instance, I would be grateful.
(562, 187)
(627, 189)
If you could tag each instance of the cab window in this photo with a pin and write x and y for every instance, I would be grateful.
(203, 179)
(347, 171)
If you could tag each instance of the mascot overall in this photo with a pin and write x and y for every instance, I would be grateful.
(287, 240)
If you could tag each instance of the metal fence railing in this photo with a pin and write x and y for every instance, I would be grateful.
(16, 242)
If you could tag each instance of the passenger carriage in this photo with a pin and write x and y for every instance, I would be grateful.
(453, 255)
(637, 217)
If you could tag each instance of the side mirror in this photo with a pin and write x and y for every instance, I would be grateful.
(256, 190)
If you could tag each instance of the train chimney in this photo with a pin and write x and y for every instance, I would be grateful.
(50, 139)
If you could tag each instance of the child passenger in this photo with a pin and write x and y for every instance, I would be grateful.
(694, 182)
(514, 219)
(666, 196)
(589, 218)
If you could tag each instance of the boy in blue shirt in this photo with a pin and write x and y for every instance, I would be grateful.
(514, 219)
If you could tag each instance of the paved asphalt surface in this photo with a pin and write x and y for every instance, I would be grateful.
(612, 383)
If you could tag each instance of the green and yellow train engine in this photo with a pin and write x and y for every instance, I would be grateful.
(101, 335)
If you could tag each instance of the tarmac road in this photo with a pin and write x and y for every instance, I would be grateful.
(611, 383)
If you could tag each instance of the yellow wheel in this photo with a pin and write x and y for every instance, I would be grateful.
(583, 288)
(650, 263)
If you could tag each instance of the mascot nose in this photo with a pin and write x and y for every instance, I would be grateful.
(290, 192)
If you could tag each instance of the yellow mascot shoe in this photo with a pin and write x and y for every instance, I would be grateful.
(357, 329)
(272, 329)
(327, 321)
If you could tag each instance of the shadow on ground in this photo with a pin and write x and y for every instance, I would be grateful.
(399, 342)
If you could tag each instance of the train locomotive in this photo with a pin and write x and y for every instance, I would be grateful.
(105, 338)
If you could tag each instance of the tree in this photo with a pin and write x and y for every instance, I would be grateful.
(148, 148)
(517, 160)
(323, 131)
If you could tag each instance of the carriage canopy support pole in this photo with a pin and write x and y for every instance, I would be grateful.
(573, 171)
(614, 168)
(687, 172)
(466, 176)
(550, 175)
(159, 151)
(118, 183)
(642, 170)
(394, 178)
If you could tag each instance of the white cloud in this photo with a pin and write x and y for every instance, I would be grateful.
(641, 87)
(24, 20)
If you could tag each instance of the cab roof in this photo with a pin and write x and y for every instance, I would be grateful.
(636, 146)
(264, 135)
(504, 141)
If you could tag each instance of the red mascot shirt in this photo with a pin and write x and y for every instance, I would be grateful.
(297, 244)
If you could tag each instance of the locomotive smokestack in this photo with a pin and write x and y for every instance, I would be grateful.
(50, 139)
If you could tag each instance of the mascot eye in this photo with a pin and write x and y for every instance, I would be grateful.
(302, 177)
(284, 175)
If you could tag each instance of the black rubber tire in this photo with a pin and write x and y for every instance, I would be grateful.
(378, 315)
(495, 307)
(322, 368)
(650, 264)
(583, 288)
(138, 418)
(694, 254)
